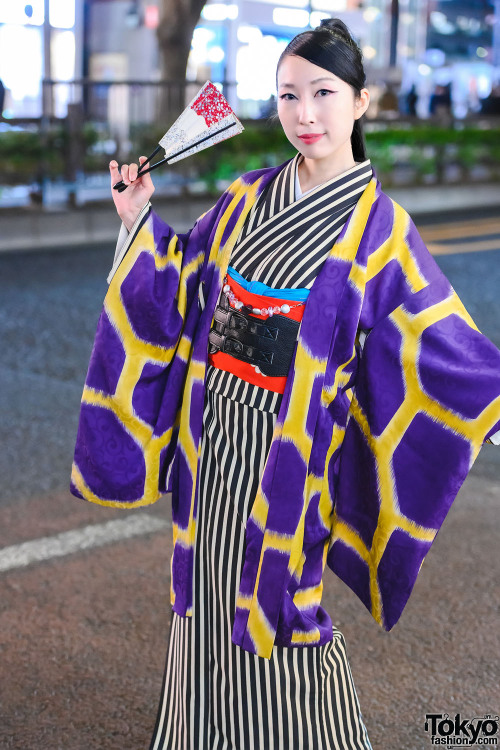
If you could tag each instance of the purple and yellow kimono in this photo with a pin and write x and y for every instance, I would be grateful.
(391, 393)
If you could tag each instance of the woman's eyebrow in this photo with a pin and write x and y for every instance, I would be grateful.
(316, 80)
(324, 78)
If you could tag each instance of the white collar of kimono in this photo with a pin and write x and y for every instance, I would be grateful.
(298, 189)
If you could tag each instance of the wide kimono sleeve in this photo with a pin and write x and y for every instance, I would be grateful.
(132, 397)
(426, 397)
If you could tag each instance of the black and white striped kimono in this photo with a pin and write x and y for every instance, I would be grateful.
(216, 695)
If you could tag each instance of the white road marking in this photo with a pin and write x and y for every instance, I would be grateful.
(463, 247)
(69, 542)
(475, 231)
(461, 229)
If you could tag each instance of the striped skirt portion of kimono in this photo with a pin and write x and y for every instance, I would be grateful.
(215, 695)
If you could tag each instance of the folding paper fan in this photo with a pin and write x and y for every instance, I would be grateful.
(207, 120)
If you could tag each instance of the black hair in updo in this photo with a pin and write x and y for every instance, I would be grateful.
(331, 46)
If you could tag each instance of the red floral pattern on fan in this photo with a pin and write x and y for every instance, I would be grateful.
(211, 105)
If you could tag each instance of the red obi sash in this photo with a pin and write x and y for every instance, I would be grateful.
(245, 370)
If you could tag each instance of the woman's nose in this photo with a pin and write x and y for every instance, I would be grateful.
(306, 111)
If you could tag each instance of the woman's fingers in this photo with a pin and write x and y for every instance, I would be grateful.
(124, 174)
(129, 174)
(114, 172)
(146, 179)
(132, 172)
(129, 202)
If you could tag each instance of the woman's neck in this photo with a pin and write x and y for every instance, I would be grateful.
(314, 172)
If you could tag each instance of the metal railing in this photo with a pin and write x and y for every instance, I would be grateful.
(129, 101)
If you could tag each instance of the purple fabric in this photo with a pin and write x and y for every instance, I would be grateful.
(429, 465)
(381, 352)
(358, 502)
(350, 567)
(104, 372)
(398, 570)
(449, 337)
(182, 563)
(383, 288)
(149, 391)
(158, 322)
(288, 472)
(113, 462)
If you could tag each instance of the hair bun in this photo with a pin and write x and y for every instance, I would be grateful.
(338, 27)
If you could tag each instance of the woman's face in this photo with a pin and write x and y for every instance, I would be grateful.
(317, 110)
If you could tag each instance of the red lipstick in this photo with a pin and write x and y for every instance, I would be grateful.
(311, 137)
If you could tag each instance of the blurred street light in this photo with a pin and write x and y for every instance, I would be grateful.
(291, 17)
(220, 12)
(371, 14)
(151, 17)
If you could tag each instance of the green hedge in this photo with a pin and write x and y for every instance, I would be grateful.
(421, 149)
(28, 155)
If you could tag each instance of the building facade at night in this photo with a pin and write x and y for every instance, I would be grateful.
(420, 43)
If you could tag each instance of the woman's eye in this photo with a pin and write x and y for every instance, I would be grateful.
(287, 97)
(324, 92)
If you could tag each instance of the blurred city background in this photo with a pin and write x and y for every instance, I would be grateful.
(84, 589)
(86, 81)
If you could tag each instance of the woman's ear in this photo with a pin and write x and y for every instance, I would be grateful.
(361, 103)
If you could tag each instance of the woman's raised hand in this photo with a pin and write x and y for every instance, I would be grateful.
(139, 191)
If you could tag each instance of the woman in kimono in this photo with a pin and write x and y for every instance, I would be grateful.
(262, 369)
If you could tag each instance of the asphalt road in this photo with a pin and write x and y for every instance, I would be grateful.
(83, 636)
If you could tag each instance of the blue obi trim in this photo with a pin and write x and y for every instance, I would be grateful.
(257, 287)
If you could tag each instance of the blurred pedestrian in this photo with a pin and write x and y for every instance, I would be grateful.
(440, 101)
(411, 100)
(2, 97)
(491, 104)
(302, 377)
(388, 105)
